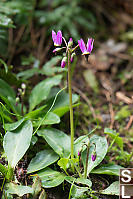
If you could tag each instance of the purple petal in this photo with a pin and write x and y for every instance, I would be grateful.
(54, 37)
(90, 45)
(82, 45)
(71, 59)
(71, 40)
(59, 37)
(93, 157)
(63, 63)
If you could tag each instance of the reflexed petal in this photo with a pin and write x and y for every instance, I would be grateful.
(82, 45)
(90, 45)
(59, 37)
(54, 36)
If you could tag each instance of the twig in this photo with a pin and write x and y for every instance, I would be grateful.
(16, 41)
(124, 98)
(129, 123)
(41, 43)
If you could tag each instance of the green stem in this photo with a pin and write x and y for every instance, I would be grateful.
(3, 170)
(87, 156)
(77, 169)
(70, 104)
(75, 48)
(22, 106)
(9, 174)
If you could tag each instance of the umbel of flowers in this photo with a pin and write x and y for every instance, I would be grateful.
(66, 60)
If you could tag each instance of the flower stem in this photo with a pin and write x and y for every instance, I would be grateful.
(75, 48)
(87, 156)
(70, 104)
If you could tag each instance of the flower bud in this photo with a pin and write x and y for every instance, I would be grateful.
(17, 100)
(56, 50)
(72, 57)
(63, 62)
(70, 43)
(23, 86)
(20, 91)
(93, 157)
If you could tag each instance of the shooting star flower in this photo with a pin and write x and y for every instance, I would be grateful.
(86, 50)
(57, 39)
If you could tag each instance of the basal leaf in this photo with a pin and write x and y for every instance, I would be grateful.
(50, 118)
(17, 142)
(6, 90)
(41, 91)
(50, 178)
(113, 189)
(82, 181)
(58, 140)
(18, 189)
(13, 126)
(107, 169)
(42, 160)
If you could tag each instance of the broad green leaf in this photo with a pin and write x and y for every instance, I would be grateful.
(35, 113)
(78, 181)
(50, 178)
(16, 143)
(18, 189)
(78, 192)
(50, 118)
(48, 68)
(58, 140)
(42, 160)
(41, 91)
(13, 126)
(6, 90)
(62, 110)
(108, 169)
(34, 139)
(112, 133)
(62, 103)
(101, 150)
(113, 189)
(26, 74)
(11, 103)
(63, 163)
